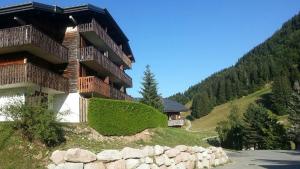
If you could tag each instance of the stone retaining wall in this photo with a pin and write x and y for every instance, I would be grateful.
(148, 157)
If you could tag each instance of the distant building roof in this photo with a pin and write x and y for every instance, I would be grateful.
(173, 106)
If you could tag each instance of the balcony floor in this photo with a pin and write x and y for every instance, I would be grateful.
(29, 86)
(99, 43)
(33, 50)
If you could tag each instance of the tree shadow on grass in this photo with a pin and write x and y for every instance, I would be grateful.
(265, 100)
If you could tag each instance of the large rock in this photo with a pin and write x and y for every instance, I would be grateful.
(196, 149)
(190, 164)
(148, 151)
(51, 166)
(181, 148)
(120, 164)
(154, 166)
(181, 166)
(70, 166)
(182, 157)
(159, 160)
(199, 156)
(78, 155)
(132, 163)
(109, 155)
(206, 163)
(144, 166)
(128, 152)
(57, 157)
(172, 152)
(148, 160)
(94, 165)
(199, 165)
(158, 150)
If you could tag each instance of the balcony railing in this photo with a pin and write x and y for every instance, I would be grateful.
(179, 122)
(92, 54)
(117, 94)
(92, 84)
(25, 75)
(100, 32)
(28, 38)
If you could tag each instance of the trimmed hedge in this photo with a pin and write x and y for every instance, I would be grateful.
(119, 118)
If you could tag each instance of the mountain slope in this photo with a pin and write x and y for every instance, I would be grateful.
(277, 56)
(219, 113)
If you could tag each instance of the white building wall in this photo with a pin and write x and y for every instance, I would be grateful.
(8, 97)
(68, 106)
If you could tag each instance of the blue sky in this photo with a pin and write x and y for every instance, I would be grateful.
(185, 41)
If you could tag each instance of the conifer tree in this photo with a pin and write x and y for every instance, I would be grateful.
(281, 94)
(294, 118)
(262, 131)
(149, 90)
(201, 105)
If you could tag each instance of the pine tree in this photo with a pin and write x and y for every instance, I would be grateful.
(231, 130)
(262, 131)
(201, 105)
(281, 94)
(294, 118)
(149, 92)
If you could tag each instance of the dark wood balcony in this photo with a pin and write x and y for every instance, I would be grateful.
(92, 85)
(27, 38)
(117, 94)
(94, 59)
(94, 33)
(28, 75)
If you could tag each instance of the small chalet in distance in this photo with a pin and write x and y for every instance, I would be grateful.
(64, 54)
(173, 110)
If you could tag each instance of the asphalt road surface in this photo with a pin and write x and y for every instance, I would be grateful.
(263, 159)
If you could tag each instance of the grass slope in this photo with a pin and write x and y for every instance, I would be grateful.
(219, 113)
(18, 153)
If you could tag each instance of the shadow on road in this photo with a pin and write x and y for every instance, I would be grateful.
(280, 164)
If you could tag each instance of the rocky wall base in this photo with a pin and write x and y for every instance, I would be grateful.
(148, 157)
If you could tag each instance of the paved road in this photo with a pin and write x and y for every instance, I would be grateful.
(263, 159)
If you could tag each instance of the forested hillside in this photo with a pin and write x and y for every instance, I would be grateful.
(277, 56)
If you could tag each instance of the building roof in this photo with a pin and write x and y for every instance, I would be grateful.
(67, 11)
(173, 106)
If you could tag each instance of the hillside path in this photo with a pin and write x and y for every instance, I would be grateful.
(263, 159)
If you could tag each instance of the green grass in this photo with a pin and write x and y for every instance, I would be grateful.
(219, 113)
(18, 153)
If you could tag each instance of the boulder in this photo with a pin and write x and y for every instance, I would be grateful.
(57, 157)
(148, 160)
(180, 165)
(78, 155)
(199, 165)
(70, 166)
(154, 166)
(196, 149)
(132, 163)
(109, 155)
(120, 164)
(144, 166)
(172, 152)
(159, 160)
(148, 151)
(182, 157)
(199, 156)
(51, 166)
(205, 163)
(128, 152)
(94, 165)
(181, 148)
(158, 150)
(190, 164)
(166, 148)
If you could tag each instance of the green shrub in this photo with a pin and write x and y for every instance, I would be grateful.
(114, 117)
(36, 122)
